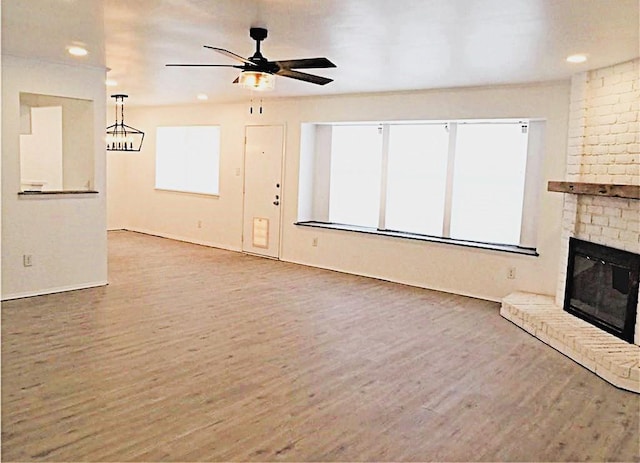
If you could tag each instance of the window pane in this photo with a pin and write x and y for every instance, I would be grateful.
(356, 155)
(187, 159)
(488, 183)
(416, 178)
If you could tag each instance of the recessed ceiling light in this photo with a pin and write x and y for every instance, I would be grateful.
(202, 97)
(579, 58)
(77, 51)
(110, 83)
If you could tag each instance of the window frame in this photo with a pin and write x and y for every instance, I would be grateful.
(530, 201)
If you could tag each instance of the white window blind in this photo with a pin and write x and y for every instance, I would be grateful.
(355, 175)
(488, 183)
(416, 178)
(188, 159)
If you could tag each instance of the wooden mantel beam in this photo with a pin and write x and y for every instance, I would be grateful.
(596, 189)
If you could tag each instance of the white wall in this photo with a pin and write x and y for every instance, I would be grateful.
(41, 149)
(1, 141)
(78, 133)
(462, 270)
(66, 235)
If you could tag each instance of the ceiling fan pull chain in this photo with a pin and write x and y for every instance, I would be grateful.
(251, 107)
(260, 105)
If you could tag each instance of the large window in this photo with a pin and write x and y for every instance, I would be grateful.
(488, 182)
(188, 159)
(416, 178)
(464, 181)
(355, 175)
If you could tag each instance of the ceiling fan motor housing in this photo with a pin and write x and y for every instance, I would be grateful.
(258, 33)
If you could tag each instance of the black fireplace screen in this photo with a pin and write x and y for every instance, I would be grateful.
(602, 287)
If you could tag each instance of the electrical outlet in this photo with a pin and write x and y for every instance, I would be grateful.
(199, 223)
(314, 242)
(27, 260)
(511, 273)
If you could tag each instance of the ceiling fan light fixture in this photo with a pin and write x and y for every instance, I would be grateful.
(257, 80)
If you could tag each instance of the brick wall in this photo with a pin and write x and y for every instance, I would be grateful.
(604, 127)
(603, 147)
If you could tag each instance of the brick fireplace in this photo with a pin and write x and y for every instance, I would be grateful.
(603, 148)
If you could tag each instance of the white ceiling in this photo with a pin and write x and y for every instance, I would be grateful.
(377, 45)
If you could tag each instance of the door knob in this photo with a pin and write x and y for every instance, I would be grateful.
(276, 202)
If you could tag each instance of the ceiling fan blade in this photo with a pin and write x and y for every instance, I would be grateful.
(304, 76)
(230, 55)
(309, 63)
(207, 65)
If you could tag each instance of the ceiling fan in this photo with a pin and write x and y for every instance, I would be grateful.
(258, 72)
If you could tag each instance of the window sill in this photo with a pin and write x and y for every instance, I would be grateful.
(56, 193)
(413, 236)
(185, 192)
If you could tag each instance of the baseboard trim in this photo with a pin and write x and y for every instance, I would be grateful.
(406, 283)
(60, 289)
(181, 238)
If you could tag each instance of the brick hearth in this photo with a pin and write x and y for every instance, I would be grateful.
(613, 359)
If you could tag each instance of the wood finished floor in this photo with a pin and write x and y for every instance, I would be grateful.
(199, 354)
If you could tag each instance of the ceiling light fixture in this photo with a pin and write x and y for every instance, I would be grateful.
(77, 51)
(576, 59)
(121, 137)
(257, 80)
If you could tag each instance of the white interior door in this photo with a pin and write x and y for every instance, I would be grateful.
(262, 189)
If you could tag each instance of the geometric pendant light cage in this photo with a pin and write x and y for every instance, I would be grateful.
(121, 137)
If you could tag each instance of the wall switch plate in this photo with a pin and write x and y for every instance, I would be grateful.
(27, 260)
(314, 242)
(511, 273)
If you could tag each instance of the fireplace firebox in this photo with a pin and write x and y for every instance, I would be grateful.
(602, 287)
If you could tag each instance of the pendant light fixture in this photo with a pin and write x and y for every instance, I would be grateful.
(121, 137)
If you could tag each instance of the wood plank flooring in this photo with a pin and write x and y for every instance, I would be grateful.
(199, 354)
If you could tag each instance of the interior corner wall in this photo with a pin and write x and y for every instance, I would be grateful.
(66, 234)
(135, 204)
(456, 269)
(117, 177)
